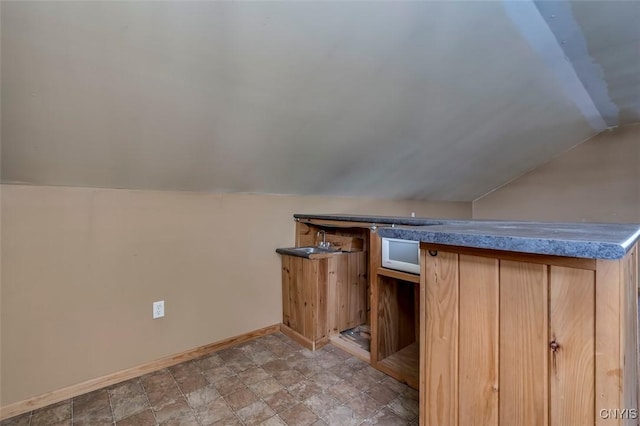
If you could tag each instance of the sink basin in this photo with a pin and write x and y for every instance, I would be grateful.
(314, 250)
(307, 251)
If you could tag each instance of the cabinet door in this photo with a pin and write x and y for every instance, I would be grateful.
(300, 296)
(509, 342)
(572, 331)
(479, 330)
(292, 314)
(459, 359)
(523, 344)
(439, 353)
(346, 291)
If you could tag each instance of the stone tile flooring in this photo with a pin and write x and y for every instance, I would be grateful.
(268, 381)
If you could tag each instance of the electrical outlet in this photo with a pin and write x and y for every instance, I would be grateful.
(158, 309)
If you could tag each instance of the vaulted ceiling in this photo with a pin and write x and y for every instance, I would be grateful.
(421, 100)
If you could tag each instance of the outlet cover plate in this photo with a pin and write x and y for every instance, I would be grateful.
(158, 309)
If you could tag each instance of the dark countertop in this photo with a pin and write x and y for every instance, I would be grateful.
(379, 220)
(297, 252)
(584, 240)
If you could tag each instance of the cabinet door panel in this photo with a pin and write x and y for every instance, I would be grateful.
(357, 288)
(353, 291)
(342, 285)
(440, 337)
(286, 286)
(523, 344)
(479, 292)
(332, 296)
(320, 298)
(572, 327)
(294, 282)
(607, 344)
(308, 282)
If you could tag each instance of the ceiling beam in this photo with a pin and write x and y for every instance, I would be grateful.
(566, 57)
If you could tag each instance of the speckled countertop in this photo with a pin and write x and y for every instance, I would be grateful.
(585, 240)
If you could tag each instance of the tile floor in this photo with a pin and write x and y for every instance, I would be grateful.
(268, 381)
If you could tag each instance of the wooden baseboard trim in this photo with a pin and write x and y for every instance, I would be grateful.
(299, 338)
(65, 393)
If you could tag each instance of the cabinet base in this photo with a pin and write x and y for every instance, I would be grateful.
(351, 348)
(299, 338)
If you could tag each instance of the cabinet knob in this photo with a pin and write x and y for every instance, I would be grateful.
(555, 347)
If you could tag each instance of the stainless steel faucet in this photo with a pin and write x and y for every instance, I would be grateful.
(323, 243)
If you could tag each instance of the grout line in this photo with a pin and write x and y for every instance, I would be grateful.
(113, 416)
(194, 411)
(153, 412)
(233, 410)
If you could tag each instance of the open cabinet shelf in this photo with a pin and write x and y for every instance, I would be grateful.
(396, 346)
(405, 362)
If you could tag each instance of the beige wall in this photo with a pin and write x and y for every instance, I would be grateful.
(82, 266)
(597, 181)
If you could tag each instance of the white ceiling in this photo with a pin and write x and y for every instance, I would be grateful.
(423, 100)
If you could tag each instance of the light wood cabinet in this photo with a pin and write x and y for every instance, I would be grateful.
(395, 319)
(321, 297)
(385, 299)
(304, 299)
(516, 339)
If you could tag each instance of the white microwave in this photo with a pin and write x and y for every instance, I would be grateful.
(402, 255)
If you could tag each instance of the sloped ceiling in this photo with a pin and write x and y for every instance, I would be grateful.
(421, 100)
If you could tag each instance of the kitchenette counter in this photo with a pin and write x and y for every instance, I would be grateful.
(582, 240)
(540, 319)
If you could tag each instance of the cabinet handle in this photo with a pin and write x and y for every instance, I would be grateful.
(433, 253)
(555, 347)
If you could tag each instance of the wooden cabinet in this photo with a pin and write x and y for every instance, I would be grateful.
(395, 318)
(395, 312)
(323, 296)
(385, 299)
(515, 339)
(304, 299)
